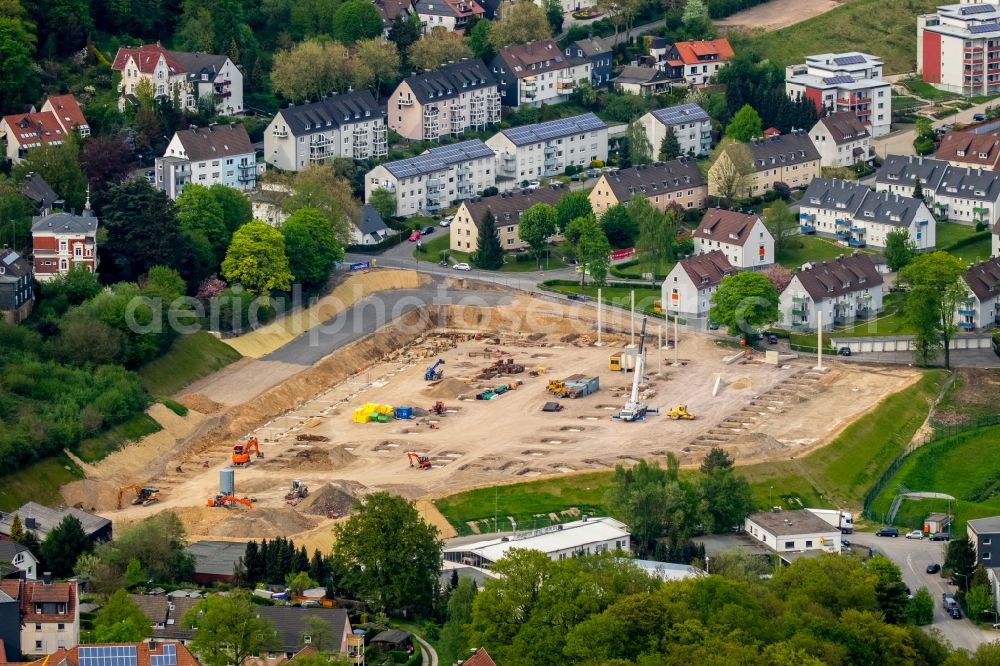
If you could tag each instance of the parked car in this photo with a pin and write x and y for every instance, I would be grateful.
(888, 532)
(576, 177)
(426, 231)
(462, 266)
(844, 351)
(446, 221)
(955, 613)
(415, 236)
(593, 173)
(533, 185)
(772, 339)
(979, 117)
(845, 543)
(915, 534)
(940, 536)
(933, 568)
(713, 325)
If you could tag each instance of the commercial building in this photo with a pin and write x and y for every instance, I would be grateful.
(843, 289)
(687, 290)
(59, 117)
(41, 520)
(437, 178)
(691, 126)
(537, 73)
(215, 561)
(580, 537)
(859, 217)
(842, 140)
(793, 531)
(850, 82)
(448, 14)
(980, 308)
(506, 208)
(546, 149)
(696, 62)
(349, 125)
(598, 51)
(445, 102)
(786, 158)
(213, 155)
(742, 237)
(958, 48)
(49, 613)
(61, 240)
(964, 194)
(16, 295)
(186, 78)
(677, 183)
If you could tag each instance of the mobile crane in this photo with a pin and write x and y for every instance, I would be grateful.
(432, 374)
(423, 462)
(241, 452)
(144, 495)
(635, 410)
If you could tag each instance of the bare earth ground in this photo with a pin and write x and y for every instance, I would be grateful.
(777, 14)
(761, 412)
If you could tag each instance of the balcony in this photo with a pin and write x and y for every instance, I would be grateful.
(280, 133)
(246, 173)
(966, 325)
(855, 242)
(842, 223)
(807, 229)
(404, 101)
(798, 299)
(529, 94)
(799, 311)
(856, 230)
(565, 86)
(840, 234)
(966, 312)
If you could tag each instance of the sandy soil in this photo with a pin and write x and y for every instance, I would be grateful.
(777, 14)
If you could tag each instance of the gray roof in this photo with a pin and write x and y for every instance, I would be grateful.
(196, 64)
(508, 206)
(782, 150)
(13, 266)
(728, 226)
(61, 222)
(554, 129)
(682, 113)
(437, 159)
(830, 279)
(450, 81)
(903, 169)
(834, 195)
(394, 636)
(46, 519)
(35, 188)
(216, 557)
(787, 523)
(8, 549)
(654, 179)
(371, 222)
(641, 75)
(461, 8)
(844, 127)
(333, 111)
(983, 279)
(669, 570)
(888, 208)
(166, 611)
(969, 183)
(215, 141)
(289, 622)
(989, 525)
(592, 46)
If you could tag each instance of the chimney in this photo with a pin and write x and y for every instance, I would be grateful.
(47, 578)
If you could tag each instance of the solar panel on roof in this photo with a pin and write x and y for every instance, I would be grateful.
(985, 27)
(836, 80)
(108, 655)
(168, 658)
(681, 113)
(554, 129)
(976, 9)
(849, 60)
(439, 158)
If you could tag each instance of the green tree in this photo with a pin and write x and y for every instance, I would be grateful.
(321, 188)
(228, 629)
(299, 582)
(63, 545)
(592, 248)
(405, 32)
(918, 190)
(311, 246)
(383, 201)
(729, 174)
(979, 601)
(479, 40)
(157, 544)
(380, 63)
(619, 227)
(320, 634)
(727, 498)
(782, 223)
(554, 15)
(455, 638)
(960, 559)
(924, 144)
(504, 605)
(236, 208)
(717, 458)
(201, 217)
(656, 232)
(571, 206)
(489, 253)
(355, 20)
(696, 20)
(438, 47)
(745, 125)
(519, 23)
(899, 249)
(119, 621)
(745, 302)
(920, 312)
(312, 69)
(16, 533)
(388, 555)
(890, 591)
(256, 259)
(640, 151)
(921, 608)
(537, 224)
(670, 147)
(60, 166)
(934, 278)
(18, 77)
(739, 564)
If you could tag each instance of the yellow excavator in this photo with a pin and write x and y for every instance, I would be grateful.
(144, 495)
(680, 412)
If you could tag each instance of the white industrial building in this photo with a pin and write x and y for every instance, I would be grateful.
(793, 531)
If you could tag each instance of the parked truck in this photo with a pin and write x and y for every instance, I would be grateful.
(843, 520)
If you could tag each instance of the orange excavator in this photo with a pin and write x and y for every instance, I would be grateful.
(423, 462)
(144, 495)
(229, 500)
(241, 452)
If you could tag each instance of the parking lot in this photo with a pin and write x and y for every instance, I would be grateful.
(912, 556)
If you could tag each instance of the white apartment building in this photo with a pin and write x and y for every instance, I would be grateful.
(981, 307)
(844, 290)
(960, 193)
(844, 82)
(348, 125)
(958, 48)
(546, 149)
(538, 73)
(741, 237)
(432, 181)
(687, 291)
(690, 123)
(217, 154)
(842, 140)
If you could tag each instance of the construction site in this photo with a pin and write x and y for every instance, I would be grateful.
(454, 397)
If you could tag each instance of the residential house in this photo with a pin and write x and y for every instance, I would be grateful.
(957, 48)
(370, 229)
(451, 15)
(961, 148)
(291, 625)
(215, 561)
(696, 62)
(546, 149)
(537, 73)
(742, 237)
(10, 629)
(392, 639)
(49, 613)
(984, 533)
(166, 615)
(59, 117)
(477, 657)
(570, 5)
(20, 558)
(266, 203)
(962, 194)
(598, 51)
(41, 520)
(859, 217)
(349, 125)
(788, 158)
(642, 81)
(60, 240)
(688, 289)
(580, 537)
(391, 11)
(37, 191)
(793, 531)
(676, 183)
(842, 140)
(185, 78)
(16, 294)
(213, 155)
(68, 114)
(123, 654)
(445, 102)
(507, 208)
(691, 126)
(433, 180)
(850, 82)
(843, 289)
(981, 308)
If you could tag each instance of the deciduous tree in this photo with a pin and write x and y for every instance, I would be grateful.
(745, 302)
(899, 249)
(256, 259)
(935, 278)
(727, 499)
(311, 69)
(321, 188)
(378, 63)
(200, 216)
(729, 175)
(383, 201)
(921, 608)
(236, 208)
(640, 151)
(355, 20)
(592, 248)
(228, 629)
(311, 246)
(118, 621)
(489, 252)
(63, 545)
(519, 23)
(960, 559)
(619, 227)
(437, 47)
(455, 638)
(745, 125)
(571, 206)
(779, 276)
(782, 223)
(18, 77)
(670, 147)
(537, 224)
(405, 32)
(60, 166)
(696, 20)
(655, 241)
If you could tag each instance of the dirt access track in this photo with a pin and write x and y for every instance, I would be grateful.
(776, 14)
(759, 412)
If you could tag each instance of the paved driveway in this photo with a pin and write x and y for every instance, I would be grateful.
(912, 557)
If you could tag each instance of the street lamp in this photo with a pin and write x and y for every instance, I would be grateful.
(966, 577)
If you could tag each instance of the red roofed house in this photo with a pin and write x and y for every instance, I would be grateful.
(189, 76)
(59, 116)
(981, 306)
(478, 657)
(451, 15)
(50, 613)
(742, 237)
(696, 62)
(68, 113)
(687, 291)
(60, 240)
(123, 654)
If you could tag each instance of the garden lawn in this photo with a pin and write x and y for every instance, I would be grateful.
(431, 251)
(926, 90)
(947, 234)
(190, 358)
(813, 248)
(39, 482)
(635, 270)
(964, 242)
(888, 322)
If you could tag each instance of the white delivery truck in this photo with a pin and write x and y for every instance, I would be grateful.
(844, 520)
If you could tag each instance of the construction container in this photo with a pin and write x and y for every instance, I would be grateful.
(404, 412)
(578, 386)
(227, 482)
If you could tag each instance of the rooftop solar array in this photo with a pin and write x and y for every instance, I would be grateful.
(977, 9)
(108, 655)
(682, 113)
(985, 27)
(834, 80)
(168, 658)
(554, 129)
(437, 159)
(850, 60)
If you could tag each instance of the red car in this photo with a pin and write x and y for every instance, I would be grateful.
(415, 236)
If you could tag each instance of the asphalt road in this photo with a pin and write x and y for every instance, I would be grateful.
(912, 556)
(901, 143)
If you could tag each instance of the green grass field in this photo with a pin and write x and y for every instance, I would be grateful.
(813, 248)
(95, 448)
(38, 483)
(431, 251)
(637, 269)
(956, 240)
(190, 358)
(888, 322)
(947, 234)
(885, 28)
(926, 90)
(645, 297)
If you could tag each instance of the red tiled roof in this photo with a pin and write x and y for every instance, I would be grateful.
(707, 270)
(146, 57)
(970, 145)
(726, 226)
(66, 110)
(544, 54)
(480, 658)
(984, 279)
(143, 652)
(694, 52)
(465, 8)
(34, 129)
(56, 592)
(11, 587)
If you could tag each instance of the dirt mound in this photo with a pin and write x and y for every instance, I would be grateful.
(90, 494)
(200, 403)
(243, 523)
(332, 500)
(341, 457)
(447, 388)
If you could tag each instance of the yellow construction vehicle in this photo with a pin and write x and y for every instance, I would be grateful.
(556, 387)
(680, 412)
(143, 495)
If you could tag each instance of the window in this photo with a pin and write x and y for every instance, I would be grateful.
(789, 544)
(986, 541)
(38, 627)
(38, 645)
(809, 544)
(61, 627)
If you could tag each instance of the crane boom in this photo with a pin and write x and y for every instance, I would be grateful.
(640, 366)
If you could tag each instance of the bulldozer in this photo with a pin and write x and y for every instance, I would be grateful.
(680, 412)
(556, 387)
(422, 462)
(144, 495)
(298, 491)
(241, 452)
(227, 501)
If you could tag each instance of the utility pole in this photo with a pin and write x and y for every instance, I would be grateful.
(598, 316)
